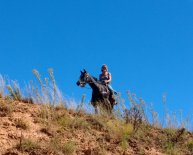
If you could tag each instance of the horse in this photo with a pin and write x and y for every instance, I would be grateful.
(101, 96)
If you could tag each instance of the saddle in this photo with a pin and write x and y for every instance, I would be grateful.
(105, 91)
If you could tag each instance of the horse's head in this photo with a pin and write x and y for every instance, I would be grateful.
(84, 78)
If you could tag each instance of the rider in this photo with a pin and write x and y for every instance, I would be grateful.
(105, 77)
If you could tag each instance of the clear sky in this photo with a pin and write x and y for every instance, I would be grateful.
(147, 44)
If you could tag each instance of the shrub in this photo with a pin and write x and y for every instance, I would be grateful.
(135, 115)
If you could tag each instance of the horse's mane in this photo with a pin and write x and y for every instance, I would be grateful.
(97, 80)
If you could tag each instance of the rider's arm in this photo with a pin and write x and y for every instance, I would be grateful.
(110, 78)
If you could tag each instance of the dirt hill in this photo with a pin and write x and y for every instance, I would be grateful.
(44, 130)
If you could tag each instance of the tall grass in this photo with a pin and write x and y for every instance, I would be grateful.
(170, 119)
(15, 91)
(136, 114)
(45, 91)
(120, 107)
(2, 85)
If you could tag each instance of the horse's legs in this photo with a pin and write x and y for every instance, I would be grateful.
(108, 106)
(96, 110)
(94, 103)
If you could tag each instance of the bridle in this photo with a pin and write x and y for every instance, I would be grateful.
(86, 78)
(83, 83)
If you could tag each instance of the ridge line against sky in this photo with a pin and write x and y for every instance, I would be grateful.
(146, 44)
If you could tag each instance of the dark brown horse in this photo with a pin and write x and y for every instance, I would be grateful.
(101, 96)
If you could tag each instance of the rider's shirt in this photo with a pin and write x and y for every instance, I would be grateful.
(103, 77)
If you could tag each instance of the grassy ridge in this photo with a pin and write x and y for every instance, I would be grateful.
(127, 131)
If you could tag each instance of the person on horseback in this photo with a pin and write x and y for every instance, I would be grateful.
(106, 78)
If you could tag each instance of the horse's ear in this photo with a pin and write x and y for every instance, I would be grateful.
(85, 71)
(81, 72)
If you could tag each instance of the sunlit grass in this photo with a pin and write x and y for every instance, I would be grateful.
(45, 91)
(2, 85)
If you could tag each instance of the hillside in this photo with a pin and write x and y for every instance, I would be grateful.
(41, 129)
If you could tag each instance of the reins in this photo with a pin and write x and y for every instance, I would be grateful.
(90, 81)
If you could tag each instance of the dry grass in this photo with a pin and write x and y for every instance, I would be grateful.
(120, 131)
(64, 122)
(57, 147)
(73, 123)
(14, 91)
(48, 91)
(59, 121)
(66, 132)
(2, 86)
(54, 145)
(190, 145)
(27, 145)
(97, 122)
(102, 151)
(20, 123)
(6, 108)
(171, 149)
(79, 123)
(69, 148)
(48, 131)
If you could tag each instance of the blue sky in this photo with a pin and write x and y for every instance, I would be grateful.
(148, 45)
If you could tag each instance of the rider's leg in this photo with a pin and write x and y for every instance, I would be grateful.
(112, 90)
(112, 93)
